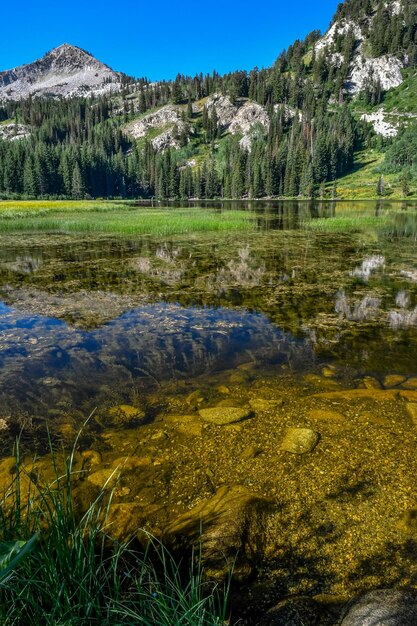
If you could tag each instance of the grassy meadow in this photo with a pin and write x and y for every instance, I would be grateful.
(362, 182)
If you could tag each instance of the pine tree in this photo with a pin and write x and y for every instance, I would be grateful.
(177, 95)
(30, 187)
(406, 183)
(77, 185)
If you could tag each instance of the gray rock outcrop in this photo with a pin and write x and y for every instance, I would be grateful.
(13, 132)
(169, 120)
(382, 126)
(382, 607)
(167, 115)
(241, 117)
(386, 69)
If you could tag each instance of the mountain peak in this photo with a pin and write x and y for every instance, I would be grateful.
(69, 49)
(67, 46)
(62, 72)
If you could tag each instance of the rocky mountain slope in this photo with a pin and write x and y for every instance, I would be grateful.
(349, 49)
(239, 118)
(66, 71)
(363, 66)
(367, 69)
(294, 129)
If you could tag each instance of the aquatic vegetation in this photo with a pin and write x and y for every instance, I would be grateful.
(169, 255)
(259, 319)
(21, 207)
(124, 221)
(344, 224)
(244, 272)
(383, 218)
(25, 264)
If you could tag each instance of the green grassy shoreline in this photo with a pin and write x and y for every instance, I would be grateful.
(77, 574)
(122, 219)
(127, 219)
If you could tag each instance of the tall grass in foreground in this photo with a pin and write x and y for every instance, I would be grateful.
(77, 575)
(130, 221)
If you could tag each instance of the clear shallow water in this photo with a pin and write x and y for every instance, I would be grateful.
(298, 320)
(44, 361)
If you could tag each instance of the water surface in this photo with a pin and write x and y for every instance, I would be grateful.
(309, 318)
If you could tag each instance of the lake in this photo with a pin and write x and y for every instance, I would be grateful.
(307, 320)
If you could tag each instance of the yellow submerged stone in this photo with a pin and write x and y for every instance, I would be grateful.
(126, 413)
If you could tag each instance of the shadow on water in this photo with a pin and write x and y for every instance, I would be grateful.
(298, 580)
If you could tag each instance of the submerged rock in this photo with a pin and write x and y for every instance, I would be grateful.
(393, 380)
(382, 607)
(195, 398)
(300, 440)
(412, 411)
(125, 413)
(239, 378)
(371, 383)
(411, 383)
(326, 415)
(408, 522)
(329, 371)
(250, 452)
(188, 425)
(222, 415)
(231, 528)
(127, 519)
(104, 478)
(259, 405)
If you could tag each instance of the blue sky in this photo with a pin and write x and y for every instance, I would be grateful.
(160, 38)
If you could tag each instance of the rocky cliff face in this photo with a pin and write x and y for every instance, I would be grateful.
(240, 117)
(66, 71)
(385, 69)
(364, 67)
(168, 120)
(14, 132)
(166, 116)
